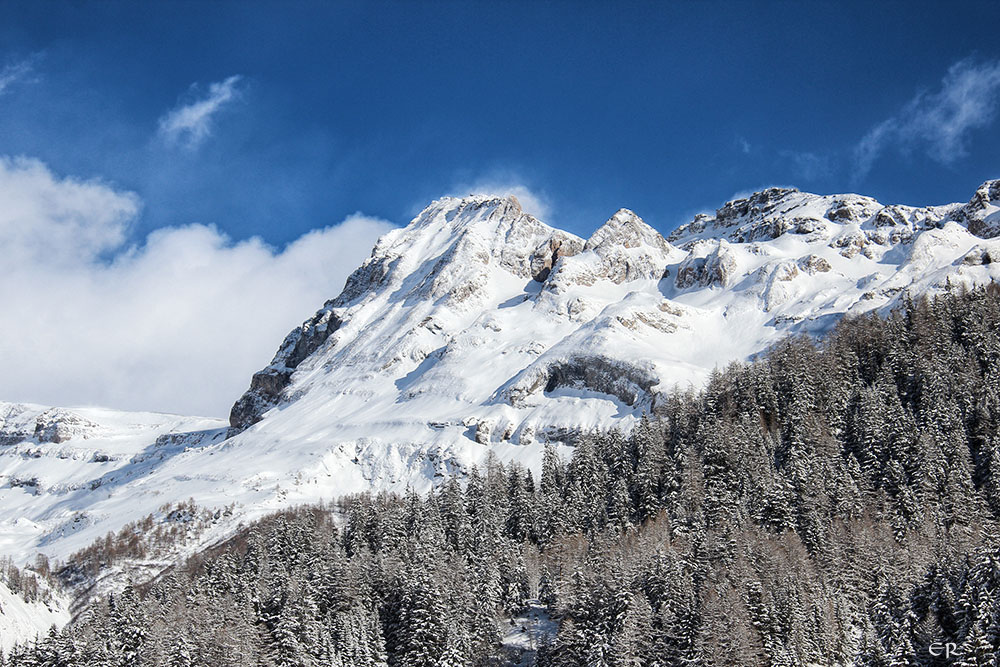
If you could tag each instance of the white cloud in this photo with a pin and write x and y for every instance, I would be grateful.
(14, 72)
(871, 146)
(191, 123)
(59, 221)
(937, 123)
(177, 323)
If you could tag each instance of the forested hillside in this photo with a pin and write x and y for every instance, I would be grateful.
(833, 502)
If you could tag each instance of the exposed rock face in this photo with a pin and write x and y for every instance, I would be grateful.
(759, 216)
(978, 256)
(773, 212)
(546, 255)
(607, 376)
(58, 426)
(629, 248)
(813, 264)
(483, 431)
(622, 250)
(476, 232)
(16, 424)
(21, 422)
(714, 269)
(267, 385)
(853, 209)
(628, 383)
(889, 217)
(850, 243)
(982, 213)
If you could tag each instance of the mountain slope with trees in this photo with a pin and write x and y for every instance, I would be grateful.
(832, 502)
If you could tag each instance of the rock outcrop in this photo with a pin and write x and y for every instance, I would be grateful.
(267, 385)
(708, 265)
(982, 214)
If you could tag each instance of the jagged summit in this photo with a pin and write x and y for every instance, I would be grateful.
(473, 210)
(472, 261)
(621, 250)
(446, 257)
(626, 229)
(453, 256)
(773, 212)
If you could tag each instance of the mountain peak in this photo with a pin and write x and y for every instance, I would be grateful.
(621, 250)
(743, 218)
(758, 203)
(473, 209)
(628, 230)
(447, 259)
(772, 212)
(435, 288)
(625, 215)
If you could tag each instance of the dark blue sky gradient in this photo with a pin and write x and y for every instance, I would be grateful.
(666, 108)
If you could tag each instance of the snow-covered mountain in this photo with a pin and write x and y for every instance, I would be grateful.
(478, 329)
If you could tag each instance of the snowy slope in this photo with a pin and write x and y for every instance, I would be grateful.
(479, 329)
(21, 621)
(68, 476)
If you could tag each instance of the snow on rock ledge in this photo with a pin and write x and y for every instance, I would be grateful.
(627, 382)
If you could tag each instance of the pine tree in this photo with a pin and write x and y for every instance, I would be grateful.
(129, 627)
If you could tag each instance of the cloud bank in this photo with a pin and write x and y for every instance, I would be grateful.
(939, 123)
(177, 323)
(190, 124)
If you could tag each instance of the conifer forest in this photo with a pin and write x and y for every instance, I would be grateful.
(834, 501)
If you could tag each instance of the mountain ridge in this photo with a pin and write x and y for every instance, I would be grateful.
(627, 249)
(481, 330)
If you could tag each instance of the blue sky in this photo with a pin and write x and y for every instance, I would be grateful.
(667, 108)
(178, 169)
